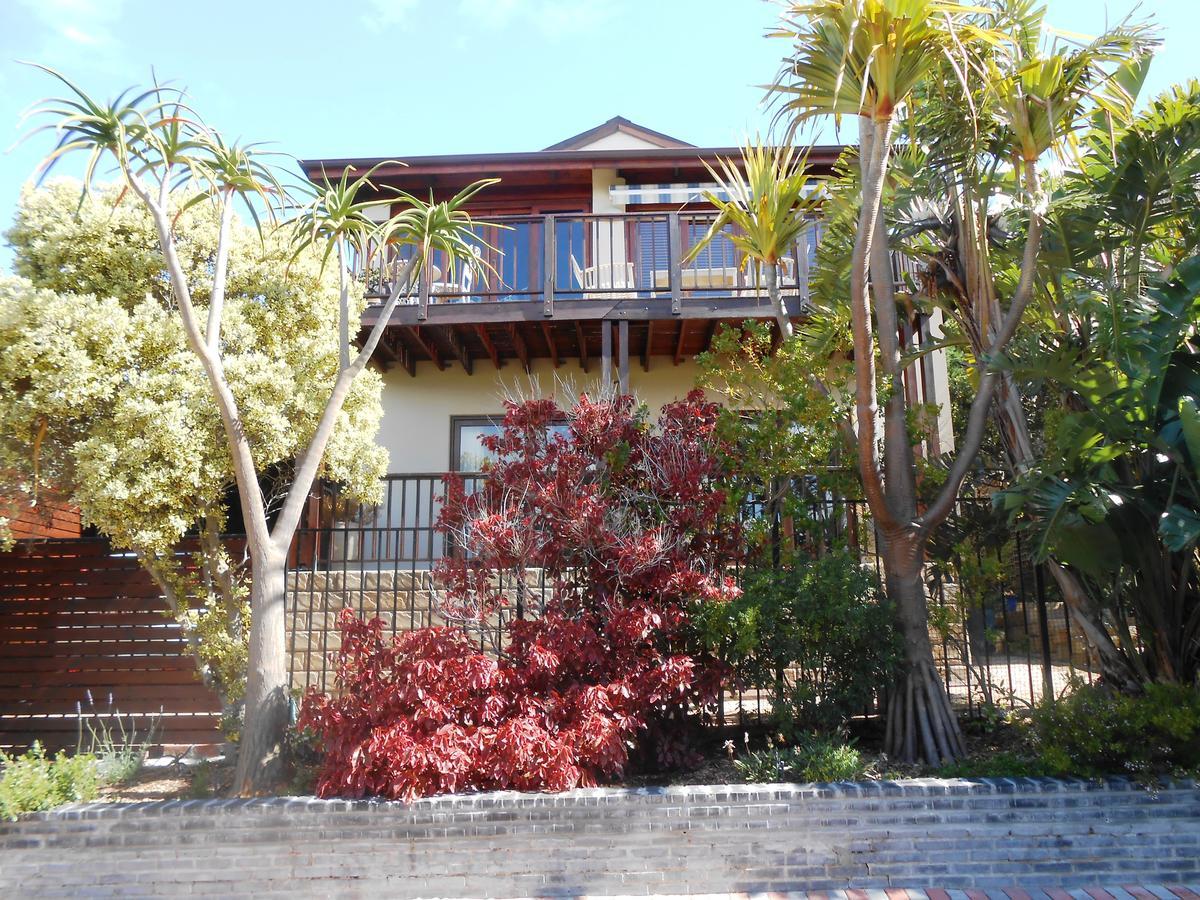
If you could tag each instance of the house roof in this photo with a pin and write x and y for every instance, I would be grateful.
(619, 125)
(639, 154)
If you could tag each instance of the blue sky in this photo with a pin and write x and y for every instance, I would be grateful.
(410, 77)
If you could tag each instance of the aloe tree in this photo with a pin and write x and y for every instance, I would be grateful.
(869, 59)
(769, 202)
(168, 158)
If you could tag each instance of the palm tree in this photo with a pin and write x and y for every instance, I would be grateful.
(868, 59)
(164, 152)
(769, 202)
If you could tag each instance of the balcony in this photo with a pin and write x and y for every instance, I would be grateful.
(546, 285)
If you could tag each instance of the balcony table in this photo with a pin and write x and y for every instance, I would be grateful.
(699, 279)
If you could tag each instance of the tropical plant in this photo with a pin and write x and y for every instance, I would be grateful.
(1115, 353)
(622, 523)
(172, 162)
(1116, 495)
(869, 59)
(769, 199)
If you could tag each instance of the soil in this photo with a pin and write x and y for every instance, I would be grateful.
(169, 779)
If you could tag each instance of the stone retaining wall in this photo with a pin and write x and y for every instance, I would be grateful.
(920, 833)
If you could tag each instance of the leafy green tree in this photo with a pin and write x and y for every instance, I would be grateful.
(870, 59)
(102, 401)
(171, 162)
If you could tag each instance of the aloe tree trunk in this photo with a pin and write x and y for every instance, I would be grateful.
(771, 276)
(268, 712)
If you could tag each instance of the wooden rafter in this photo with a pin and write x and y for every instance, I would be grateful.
(679, 341)
(488, 345)
(583, 351)
(384, 348)
(431, 350)
(519, 346)
(708, 338)
(454, 340)
(548, 333)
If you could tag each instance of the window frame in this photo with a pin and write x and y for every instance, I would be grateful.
(456, 423)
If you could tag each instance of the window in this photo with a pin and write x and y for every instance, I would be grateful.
(467, 454)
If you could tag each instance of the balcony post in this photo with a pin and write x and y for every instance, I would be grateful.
(675, 260)
(623, 356)
(606, 359)
(550, 257)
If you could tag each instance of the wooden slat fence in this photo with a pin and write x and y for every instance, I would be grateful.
(77, 618)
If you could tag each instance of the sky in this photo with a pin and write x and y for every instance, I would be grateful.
(396, 78)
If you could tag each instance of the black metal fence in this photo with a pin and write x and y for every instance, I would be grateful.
(1002, 635)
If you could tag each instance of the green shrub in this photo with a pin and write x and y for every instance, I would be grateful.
(816, 635)
(813, 759)
(1094, 731)
(32, 782)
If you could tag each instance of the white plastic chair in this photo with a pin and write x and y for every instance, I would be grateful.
(614, 280)
(466, 278)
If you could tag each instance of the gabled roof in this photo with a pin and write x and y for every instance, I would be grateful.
(619, 125)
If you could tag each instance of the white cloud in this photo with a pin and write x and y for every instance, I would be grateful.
(75, 36)
(386, 13)
(86, 23)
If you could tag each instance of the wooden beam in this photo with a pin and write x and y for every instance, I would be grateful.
(431, 350)
(712, 330)
(548, 332)
(550, 260)
(486, 340)
(519, 345)
(646, 346)
(605, 354)
(623, 356)
(675, 258)
(407, 359)
(583, 353)
(679, 342)
(384, 348)
(458, 348)
(633, 310)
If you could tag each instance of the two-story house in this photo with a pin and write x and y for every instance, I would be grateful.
(584, 281)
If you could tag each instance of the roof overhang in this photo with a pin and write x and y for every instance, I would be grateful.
(542, 160)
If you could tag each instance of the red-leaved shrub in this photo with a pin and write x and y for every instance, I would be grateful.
(578, 560)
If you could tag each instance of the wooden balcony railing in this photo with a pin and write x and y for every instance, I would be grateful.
(541, 259)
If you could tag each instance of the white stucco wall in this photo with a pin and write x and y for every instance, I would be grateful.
(417, 411)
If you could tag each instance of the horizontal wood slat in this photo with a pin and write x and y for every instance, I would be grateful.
(77, 619)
